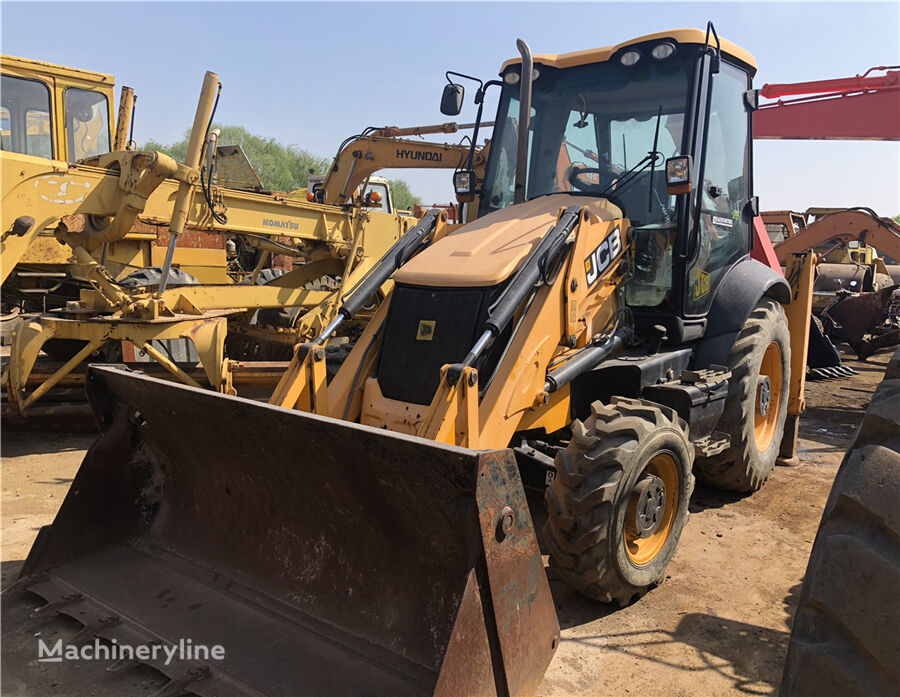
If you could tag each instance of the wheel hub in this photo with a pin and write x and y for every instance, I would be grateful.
(650, 496)
(764, 394)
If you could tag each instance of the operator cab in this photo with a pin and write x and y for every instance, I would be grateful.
(36, 97)
(604, 122)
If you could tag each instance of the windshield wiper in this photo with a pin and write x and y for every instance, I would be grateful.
(653, 165)
(651, 159)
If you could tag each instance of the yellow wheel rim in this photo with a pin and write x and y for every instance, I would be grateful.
(767, 403)
(650, 515)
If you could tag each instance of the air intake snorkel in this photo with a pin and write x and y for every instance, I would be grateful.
(524, 120)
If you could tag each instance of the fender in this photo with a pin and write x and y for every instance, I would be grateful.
(744, 285)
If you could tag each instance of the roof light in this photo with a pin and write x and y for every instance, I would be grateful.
(630, 58)
(663, 50)
(511, 78)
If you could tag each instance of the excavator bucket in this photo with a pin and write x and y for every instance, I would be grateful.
(322, 557)
(861, 316)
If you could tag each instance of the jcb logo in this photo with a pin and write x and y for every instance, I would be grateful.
(701, 284)
(599, 260)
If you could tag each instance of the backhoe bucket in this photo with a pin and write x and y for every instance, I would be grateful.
(823, 362)
(323, 557)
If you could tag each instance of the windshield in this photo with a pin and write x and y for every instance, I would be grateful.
(590, 126)
(25, 116)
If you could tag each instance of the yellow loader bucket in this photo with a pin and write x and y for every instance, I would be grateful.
(323, 557)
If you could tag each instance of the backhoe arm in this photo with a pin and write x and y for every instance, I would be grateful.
(847, 226)
(365, 155)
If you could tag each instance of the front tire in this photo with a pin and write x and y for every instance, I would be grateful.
(619, 501)
(756, 405)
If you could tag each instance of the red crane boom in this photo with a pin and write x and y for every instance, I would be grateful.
(858, 108)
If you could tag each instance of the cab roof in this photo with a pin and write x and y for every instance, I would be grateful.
(45, 68)
(604, 53)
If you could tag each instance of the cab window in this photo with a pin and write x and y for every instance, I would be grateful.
(25, 116)
(87, 123)
(777, 232)
(381, 190)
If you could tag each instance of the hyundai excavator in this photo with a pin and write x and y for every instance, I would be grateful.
(595, 337)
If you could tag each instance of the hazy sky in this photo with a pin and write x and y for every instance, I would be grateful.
(312, 74)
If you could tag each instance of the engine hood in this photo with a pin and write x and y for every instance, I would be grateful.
(487, 251)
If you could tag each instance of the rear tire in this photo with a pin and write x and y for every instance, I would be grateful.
(845, 639)
(760, 363)
(592, 529)
(152, 276)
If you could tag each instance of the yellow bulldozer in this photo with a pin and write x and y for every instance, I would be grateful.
(597, 335)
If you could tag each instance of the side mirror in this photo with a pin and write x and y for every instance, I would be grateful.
(464, 183)
(679, 175)
(452, 99)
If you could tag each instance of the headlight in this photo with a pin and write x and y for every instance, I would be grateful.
(511, 78)
(630, 57)
(662, 51)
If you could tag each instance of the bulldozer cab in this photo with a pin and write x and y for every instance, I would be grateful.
(603, 122)
(55, 112)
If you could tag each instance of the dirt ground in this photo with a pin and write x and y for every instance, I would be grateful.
(719, 625)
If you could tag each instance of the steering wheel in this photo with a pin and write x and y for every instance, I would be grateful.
(590, 187)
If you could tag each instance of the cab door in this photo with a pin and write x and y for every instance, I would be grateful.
(86, 114)
(722, 191)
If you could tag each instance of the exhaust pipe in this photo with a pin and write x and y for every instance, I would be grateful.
(123, 120)
(524, 119)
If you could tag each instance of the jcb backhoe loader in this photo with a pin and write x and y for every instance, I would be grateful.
(599, 332)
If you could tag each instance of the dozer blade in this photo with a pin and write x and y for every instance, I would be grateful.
(324, 557)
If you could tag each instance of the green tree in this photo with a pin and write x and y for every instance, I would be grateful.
(404, 199)
(280, 167)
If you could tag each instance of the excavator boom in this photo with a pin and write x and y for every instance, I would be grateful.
(847, 226)
(860, 108)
